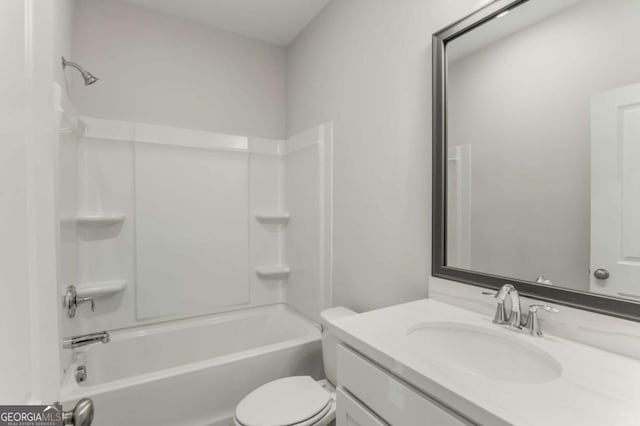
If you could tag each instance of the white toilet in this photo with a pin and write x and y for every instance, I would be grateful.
(299, 400)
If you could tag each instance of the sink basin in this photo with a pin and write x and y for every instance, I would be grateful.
(483, 352)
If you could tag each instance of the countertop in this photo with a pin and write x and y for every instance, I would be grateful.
(595, 387)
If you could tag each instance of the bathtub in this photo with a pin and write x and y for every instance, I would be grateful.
(192, 372)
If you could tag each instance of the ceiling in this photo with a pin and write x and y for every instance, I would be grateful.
(274, 21)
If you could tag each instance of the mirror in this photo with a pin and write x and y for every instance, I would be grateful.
(537, 151)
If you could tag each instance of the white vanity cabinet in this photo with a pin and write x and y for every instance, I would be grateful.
(371, 396)
(350, 412)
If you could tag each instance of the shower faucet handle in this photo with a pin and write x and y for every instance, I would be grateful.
(72, 300)
(80, 300)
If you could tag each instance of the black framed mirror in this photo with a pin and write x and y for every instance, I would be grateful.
(536, 152)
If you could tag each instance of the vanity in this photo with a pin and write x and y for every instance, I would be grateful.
(430, 363)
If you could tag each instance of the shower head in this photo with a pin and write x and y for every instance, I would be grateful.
(89, 78)
(86, 75)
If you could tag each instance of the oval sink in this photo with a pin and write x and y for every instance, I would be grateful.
(481, 351)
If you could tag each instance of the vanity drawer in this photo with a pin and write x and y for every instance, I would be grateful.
(391, 399)
(349, 412)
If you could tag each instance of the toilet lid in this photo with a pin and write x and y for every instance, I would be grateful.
(283, 402)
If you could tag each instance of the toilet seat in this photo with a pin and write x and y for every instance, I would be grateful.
(291, 401)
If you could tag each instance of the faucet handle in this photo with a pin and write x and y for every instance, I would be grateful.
(533, 324)
(80, 300)
(500, 316)
(534, 308)
(72, 300)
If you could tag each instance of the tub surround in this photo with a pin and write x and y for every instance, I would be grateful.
(594, 387)
(271, 238)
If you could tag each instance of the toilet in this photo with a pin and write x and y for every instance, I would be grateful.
(298, 400)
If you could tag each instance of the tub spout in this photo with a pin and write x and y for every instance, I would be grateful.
(86, 339)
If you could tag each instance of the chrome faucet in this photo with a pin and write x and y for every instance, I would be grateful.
(514, 320)
(86, 339)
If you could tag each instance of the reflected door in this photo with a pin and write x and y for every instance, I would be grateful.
(615, 192)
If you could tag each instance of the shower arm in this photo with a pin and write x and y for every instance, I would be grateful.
(66, 63)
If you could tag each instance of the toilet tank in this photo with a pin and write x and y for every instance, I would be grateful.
(330, 341)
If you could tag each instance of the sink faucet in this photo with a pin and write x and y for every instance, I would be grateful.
(501, 317)
(86, 339)
(514, 320)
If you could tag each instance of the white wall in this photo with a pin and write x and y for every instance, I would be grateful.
(154, 68)
(63, 14)
(366, 65)
(29, 365)
(67, 152)
(537, 222)
(13, 258)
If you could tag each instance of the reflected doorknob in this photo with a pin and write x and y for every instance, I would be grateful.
(601, 274)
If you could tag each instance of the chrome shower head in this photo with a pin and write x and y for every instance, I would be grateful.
(89, 78)
(86, 75)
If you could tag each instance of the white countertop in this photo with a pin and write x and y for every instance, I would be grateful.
(595, 388)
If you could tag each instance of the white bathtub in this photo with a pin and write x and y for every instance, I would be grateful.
(192, 372)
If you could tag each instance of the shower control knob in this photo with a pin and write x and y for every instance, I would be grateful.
(601, 274)
(81, 415)
(72, 300)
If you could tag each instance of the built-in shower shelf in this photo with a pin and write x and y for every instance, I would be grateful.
(99, 220)
(272, 217)
(101, 288)
(273, 271)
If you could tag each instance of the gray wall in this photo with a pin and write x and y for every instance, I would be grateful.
(523, 103)
(366, 65)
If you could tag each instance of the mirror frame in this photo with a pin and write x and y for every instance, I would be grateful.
(617, 307)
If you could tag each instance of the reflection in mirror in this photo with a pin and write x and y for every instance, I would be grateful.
(543, 126)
